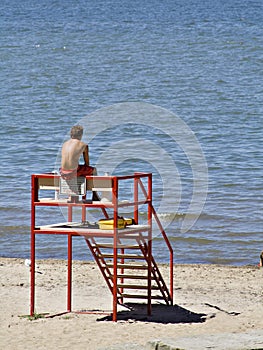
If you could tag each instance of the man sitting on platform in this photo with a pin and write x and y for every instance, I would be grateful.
(70, 155)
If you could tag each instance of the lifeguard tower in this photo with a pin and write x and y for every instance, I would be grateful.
(122, 251)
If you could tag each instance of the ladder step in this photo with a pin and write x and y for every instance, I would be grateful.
(134, 277)
(119, 246)
(123, 256)
(141, 296)
(135, 286)
(128, 266)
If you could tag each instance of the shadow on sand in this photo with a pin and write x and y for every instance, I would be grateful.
(160, 314)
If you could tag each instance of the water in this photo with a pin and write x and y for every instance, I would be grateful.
(202, 61)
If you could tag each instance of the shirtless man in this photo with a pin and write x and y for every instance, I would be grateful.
(70, 155)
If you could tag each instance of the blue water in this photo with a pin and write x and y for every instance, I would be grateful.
(201, 60)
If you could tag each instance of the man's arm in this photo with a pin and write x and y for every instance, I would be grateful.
(86, 155)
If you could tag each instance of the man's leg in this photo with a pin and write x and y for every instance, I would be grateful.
(86, 170)
(95, 196)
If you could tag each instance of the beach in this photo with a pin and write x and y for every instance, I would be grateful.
(215, 306)
(172, 88)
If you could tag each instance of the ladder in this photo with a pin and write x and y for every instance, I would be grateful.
(138, 275)
(126, 261)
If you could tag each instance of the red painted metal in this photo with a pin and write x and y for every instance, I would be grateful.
(70, 212)
(166, 239)
(70, 232)
(100, 262)
(69, 272)
(149, 197)
(34, 197)
(115, 250)
(83, 214)
(136, 198)
(105, 213)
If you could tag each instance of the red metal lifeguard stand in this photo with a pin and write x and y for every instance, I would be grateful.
(124, 265)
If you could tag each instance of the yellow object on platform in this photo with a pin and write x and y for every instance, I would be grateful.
(108, 224)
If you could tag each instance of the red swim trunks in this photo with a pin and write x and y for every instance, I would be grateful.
(85, 170)
(82, 170)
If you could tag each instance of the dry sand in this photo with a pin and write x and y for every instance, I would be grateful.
(215, 307)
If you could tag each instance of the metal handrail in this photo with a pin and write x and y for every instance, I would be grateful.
(166, 239)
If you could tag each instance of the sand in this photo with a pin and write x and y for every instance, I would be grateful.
(215, 307)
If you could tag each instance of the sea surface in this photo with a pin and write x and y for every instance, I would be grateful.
(170, 87)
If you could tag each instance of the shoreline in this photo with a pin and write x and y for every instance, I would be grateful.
(19, 259)
(90, 259)
(210, 301)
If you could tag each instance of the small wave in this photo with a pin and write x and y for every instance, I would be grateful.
(192, 240)
(181, 215)
(14, 229)
(163, 216)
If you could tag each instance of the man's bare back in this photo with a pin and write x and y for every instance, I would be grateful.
(71, 152)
